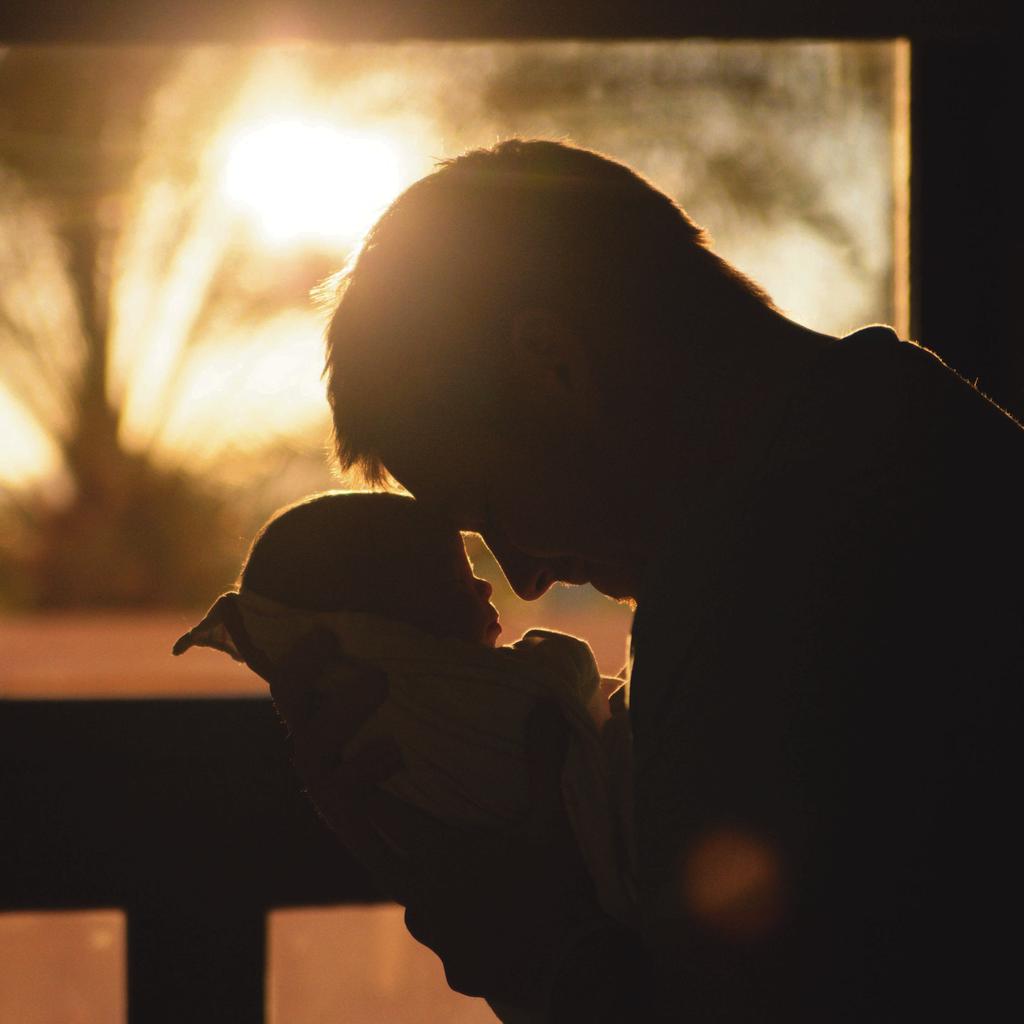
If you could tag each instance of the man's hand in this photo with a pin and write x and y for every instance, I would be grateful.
(500, 911)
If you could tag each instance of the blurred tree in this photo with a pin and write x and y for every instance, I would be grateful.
(119, 525)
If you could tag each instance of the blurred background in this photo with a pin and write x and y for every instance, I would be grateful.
(165, 213)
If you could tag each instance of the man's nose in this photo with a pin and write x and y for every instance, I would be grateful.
(529, 577)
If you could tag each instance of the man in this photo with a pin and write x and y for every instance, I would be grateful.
(822, 539)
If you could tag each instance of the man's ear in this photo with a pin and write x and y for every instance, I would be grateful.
(549, 362)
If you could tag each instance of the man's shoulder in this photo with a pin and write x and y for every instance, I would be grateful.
(912, 386)
(886, 469)
(873, 400)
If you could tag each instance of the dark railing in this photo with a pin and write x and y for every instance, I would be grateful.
(187, 815)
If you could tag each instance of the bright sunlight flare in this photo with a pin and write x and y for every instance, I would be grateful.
(305, 181)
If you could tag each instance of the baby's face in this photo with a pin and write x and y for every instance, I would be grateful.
(448, 600)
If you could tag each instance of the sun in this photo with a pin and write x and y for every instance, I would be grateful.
(307, 181)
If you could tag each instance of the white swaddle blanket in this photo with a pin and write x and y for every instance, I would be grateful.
(459, 711)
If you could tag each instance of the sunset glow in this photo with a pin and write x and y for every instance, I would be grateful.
(258, 385)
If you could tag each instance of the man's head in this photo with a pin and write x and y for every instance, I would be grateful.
(377, 553)
(512, 340)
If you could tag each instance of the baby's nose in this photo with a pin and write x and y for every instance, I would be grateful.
(483, 588)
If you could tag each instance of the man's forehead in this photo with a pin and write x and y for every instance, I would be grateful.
(445, 482)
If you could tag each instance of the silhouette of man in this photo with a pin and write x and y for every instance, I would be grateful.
(822, 537)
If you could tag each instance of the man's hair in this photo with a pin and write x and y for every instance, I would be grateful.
(429, 298)
(339, 550)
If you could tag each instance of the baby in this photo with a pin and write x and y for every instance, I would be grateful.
(396, 588)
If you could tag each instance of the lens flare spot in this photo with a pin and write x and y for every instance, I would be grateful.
(732, 883)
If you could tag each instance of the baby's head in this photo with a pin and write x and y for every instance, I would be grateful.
(376, 553)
